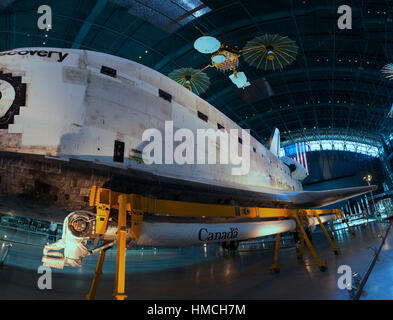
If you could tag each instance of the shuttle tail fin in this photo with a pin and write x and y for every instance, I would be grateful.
(274, 143)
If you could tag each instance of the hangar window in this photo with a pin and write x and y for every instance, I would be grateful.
(168, 15)
(165, 95)
(240, 140)
(202, 116)
(109, 71)
(339, 145)
(253, 149)
(219, 126)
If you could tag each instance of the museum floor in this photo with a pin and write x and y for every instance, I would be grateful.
(207, 272)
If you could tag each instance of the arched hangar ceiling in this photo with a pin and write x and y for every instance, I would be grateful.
(334, 89)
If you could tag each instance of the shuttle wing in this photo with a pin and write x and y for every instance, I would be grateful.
(316, 199)
(197, 190)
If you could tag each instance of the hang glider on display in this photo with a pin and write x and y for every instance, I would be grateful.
(73, 116)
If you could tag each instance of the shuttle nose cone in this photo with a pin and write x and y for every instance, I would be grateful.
(7, 97)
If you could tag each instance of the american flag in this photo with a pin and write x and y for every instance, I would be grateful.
(301, 155)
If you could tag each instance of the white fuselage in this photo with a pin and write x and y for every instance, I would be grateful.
(73, 111)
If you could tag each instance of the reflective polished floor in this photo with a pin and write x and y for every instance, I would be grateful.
(207, 272)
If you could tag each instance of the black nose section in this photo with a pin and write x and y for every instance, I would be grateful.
(11, 83)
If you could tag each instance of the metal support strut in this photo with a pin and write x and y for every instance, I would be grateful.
(346, 222)
(322, 266)
(335, 249)
(98, 271)
(121, 250)
(332, 229)
(275, 267)
(119, 292)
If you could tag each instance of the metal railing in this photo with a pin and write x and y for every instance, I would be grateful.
(358, 290)
(34, 226)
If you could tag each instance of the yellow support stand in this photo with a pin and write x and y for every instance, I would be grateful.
(121, 249)
(102, 202)
(275, 267)
(346, 222)
(106, 200)
(136, 221)
(332, 229)
(322, 266)
(302, 216)
(98, 271)
(335, 249)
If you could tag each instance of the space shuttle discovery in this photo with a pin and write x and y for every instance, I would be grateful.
(73, 119)
(70, 119)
